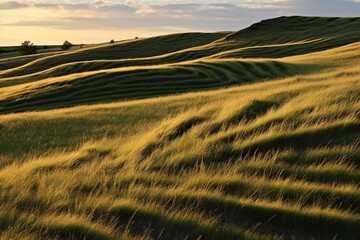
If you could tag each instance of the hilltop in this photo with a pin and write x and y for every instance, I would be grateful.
(251, 134)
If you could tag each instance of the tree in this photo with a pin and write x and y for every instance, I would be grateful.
(112, 41)
(27, 48)
(66, 45)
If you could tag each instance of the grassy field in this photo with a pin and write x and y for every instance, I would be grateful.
(245, 135)
(9, 52)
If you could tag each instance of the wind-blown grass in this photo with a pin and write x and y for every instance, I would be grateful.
(274, 159)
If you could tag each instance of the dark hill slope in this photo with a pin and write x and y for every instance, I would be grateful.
(321, 33)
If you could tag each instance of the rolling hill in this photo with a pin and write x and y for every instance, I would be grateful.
(252, 134)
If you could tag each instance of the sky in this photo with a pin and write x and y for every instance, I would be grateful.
(94, 21)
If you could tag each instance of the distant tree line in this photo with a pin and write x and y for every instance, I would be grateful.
(27, 47)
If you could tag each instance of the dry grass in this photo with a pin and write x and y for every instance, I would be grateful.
(272, 160)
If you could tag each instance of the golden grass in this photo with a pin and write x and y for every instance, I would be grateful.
(272, 160)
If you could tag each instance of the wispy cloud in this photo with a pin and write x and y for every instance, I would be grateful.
(12, 5)
(110, 14)
(158, 15)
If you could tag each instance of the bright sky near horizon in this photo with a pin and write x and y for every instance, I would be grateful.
(93, 21)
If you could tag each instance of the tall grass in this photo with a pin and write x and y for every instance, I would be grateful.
(276, 159)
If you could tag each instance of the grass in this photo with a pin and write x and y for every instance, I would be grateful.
(191, 141)
(8, 52)
(122, 84)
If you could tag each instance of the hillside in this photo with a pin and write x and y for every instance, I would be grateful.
(329, 32)
(184, 60)
(253, 134)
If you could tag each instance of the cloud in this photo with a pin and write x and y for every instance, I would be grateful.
(100, 2)
(144, 10)
(129, 2)
(161, 15)
(265, 3)
(75, 6)
(177, 7)
(12, 5)
(336, 8)
(106, 14)
(116, 7)
(44, 5)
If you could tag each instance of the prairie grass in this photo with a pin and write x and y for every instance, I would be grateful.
(275, 159)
